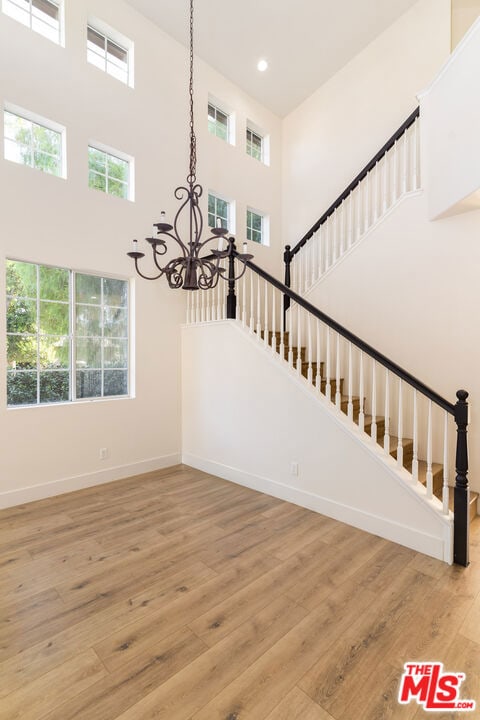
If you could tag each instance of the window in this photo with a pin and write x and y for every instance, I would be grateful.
(218, 122)
(31, 143)
(108, 173)
(257, 227)
(43, 16)
(219, 212)
(110, 56)
(254, 145)
(67, 335)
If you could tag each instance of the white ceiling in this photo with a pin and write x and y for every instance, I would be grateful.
(304, 41)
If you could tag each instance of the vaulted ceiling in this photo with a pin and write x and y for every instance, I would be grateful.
(304, 41)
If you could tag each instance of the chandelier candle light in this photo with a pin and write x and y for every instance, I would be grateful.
(193, 270)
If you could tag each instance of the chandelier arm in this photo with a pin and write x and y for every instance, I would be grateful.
(146, 277)
(186, 202)
(173, 237)
(238, 256)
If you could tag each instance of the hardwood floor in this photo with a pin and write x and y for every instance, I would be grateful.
(179, 596)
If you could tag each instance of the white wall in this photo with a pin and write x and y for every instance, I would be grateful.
(44, 219)
(450, 138)
(330, 137)
(277, 420)
(464, 14)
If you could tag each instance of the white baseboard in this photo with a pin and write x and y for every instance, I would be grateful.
(79, 482)
(436, 547)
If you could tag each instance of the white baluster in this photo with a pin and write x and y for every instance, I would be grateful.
(274, 323)
(343, 227)
(366, 223)
(416, 183)
(313, 266)
(290, 337)
(358, 212)
(252, 318)
(259, 310)
(328, 387)
(350, 383)
(224, 300)
(299, 340)
(395, 173)
(446, 489)
(373, 429)
(385, 183)
(265, 329)
(361, 415)
(282, 329)
(400, 425)
(415, 439)
(208, 304)
(244, 301)
(386, 438)
(327, 243)
(338, 396)
(351, 231)
(429, 453)
(318, 377)
(333, 219)
(375, 193)
(405, 162)
(197, 308)
(309, 349)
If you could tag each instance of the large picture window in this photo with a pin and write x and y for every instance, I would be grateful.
(67, 335)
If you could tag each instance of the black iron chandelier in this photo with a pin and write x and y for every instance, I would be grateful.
(198, 266)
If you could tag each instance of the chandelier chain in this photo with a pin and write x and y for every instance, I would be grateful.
(193, 139)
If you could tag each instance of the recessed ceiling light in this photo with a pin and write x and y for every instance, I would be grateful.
(262, 65)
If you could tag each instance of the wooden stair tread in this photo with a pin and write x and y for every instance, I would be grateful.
(472, 504)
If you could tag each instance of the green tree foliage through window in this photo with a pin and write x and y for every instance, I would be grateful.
(41, 341)
(32, 144)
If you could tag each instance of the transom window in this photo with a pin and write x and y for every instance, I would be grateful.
(218, 122)
(219, 212)
(108, 55)
(256, 227)
(43, 16)
(32, 143)
(254, 145)
(67, 335)
(108, 173)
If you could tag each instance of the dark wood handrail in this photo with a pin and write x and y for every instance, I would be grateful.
(361, 175)
(363, 346)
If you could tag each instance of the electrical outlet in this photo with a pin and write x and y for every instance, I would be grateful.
(103, 453)
(294, 468)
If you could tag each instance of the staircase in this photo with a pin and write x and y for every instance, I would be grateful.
(406, 423)
(314, 373)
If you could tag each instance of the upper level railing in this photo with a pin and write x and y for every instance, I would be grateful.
(391, 173)
(396, 409)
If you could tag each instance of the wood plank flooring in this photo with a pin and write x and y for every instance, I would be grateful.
(178, 596)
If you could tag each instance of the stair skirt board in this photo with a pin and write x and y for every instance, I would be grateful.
(436, 541)
(395, 532)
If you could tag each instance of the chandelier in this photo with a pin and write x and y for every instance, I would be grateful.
(199, 264)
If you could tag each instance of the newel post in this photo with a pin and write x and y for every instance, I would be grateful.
(461, 526)
(287, 259)
(231, 297)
